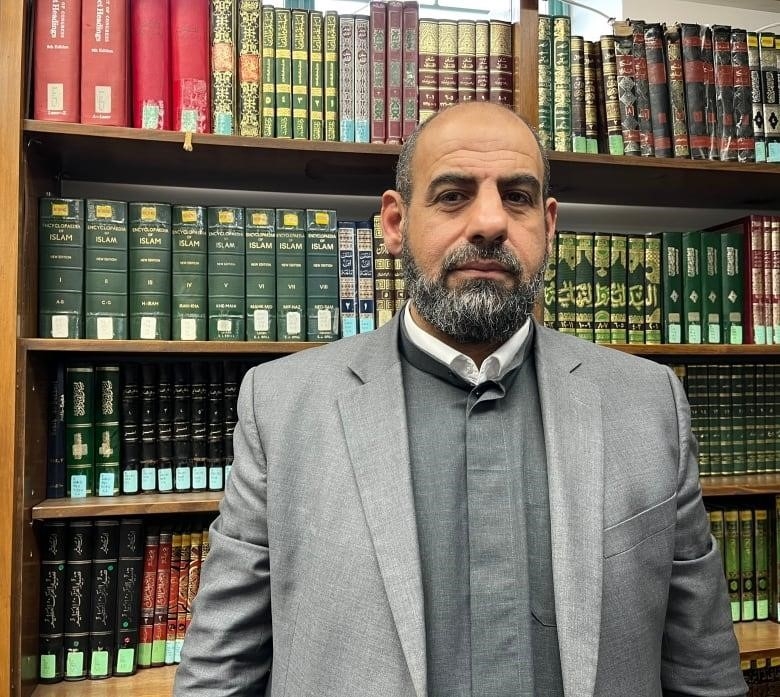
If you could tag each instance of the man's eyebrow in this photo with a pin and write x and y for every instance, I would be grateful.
(528, 181)
(450, 179)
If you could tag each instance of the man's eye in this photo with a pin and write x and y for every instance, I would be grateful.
(517, 197)
(451, 197)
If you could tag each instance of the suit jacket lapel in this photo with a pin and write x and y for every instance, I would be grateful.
(374, 420)
(571, 413)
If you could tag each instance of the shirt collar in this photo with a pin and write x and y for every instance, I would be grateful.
(494, 367)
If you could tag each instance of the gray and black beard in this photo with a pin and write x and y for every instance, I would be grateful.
(477, 310)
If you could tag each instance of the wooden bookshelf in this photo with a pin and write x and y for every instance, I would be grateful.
(758, 639)
(706, 352)
(741, 484)
(136, 504)
(156, 348)
(147, 682)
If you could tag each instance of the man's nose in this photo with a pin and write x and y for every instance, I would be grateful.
(488, 220)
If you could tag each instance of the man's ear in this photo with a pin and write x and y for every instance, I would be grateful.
(550, 221)
(392, 221)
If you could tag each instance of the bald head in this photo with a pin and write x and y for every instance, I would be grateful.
(468, 112)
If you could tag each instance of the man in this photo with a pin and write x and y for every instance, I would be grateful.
(463, 502)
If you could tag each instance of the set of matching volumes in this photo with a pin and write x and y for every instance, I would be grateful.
(238, 67)
(682, 90)
(762, 676)
(141, 428)
(735, 416)
(116, 595)
(155, 271)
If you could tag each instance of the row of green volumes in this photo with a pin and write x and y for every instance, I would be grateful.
(656, 90)
(762, 676)
(671, 287)
(117, 270)
(735, 416)
(151, 427)
(116, 594)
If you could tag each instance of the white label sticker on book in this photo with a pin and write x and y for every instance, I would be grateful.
(324, 320)
(675, 334)
(293, 322)
(189, 329)
(165, 479)
(102, 99)
(261, 321)
(148, 479)
(182, 478)
(55, 96)
(59, 327)
(224, 325)
(106, 484)
(78, 486)
(130, 482)
(148, 327)
(215, 478)
(198, 477)
(105, 327)
(735, 336)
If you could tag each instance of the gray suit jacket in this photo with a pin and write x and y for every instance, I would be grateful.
(312, 586)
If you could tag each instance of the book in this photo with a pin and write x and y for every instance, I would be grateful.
(107, 446)
(102, 626)
(198, 424)
(710, 91)
(300, 74)
(383, 275)
(79, 430)
(693, 73)
(230, 386)
(642, 87)
(653, 291)
(316, 75)
(579, 142)
(57, 60)
(545, 81)
(756, 96)
(671, 282)
(78, 599)
(747, 570)
(731, 563)
(55, 432)
(184, 584)
(427, 67)
(268, 72)
(51, 623)
(692, 301)
(611, 102)
(724, 93)
(150, 62)
(394, 74)
(761, 542)
(583, 282)
(745, 144)
(322, 290)
(60, 268)
(165, 428)
(148, 452)
(618, 289)
(501, 82)
(566, 255)
(226, 273)
(189, 273)
(148, 594)
(676, 80)
(104, 55)
(769, 94)
(173, 598)
(591, 92)
(130, 405)
(711, 282)
(364, 255)
(190, 60)
(658, 89)
(248, 63)
(161, 591)
(362, 94)
(290, 274)
(215, 453)
(150, 270)
(561, 68)
(635, 289)
(482, 56)
(448, 62)
(348, 279)
(332, 76)
(260, 264)
(222, 41)
(346, 72)
(129, 579)
(550, 310)
(738, 426)
(732, 286)
(182, 447)
(196, 539)
(410, 65)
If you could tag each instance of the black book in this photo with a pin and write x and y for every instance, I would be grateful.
(710, 92)
(659, 89)
(626, 81)
(724, 93)
(78, 599)
(642, 89)
(215, 428)
(231, 384)
(148, 427)
(165, 429)
(677, 112)
(198, 416)
(55, 445)
(128, 606)
(693, 74)
(130, 410)
(771, 100)
(52, 606)
(105, 555)
(743, 97)
(182, 450)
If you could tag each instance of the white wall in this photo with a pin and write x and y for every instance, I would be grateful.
(682, 11)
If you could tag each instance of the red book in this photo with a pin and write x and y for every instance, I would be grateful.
(162, 588)
(173, 599)
(395, 79)
(104, 62)
(410, 113)
(148, 585)
(190, 68)
(151, 72)
(755, 258)
(377, 60)
(196, 540)
(184, 593)
(57, 60)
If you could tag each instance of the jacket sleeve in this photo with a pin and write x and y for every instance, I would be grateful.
(228, 648)
(700, 656)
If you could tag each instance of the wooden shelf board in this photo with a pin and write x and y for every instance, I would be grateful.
(136, 504)
(248, 348)
(741, 484)
(147, 682)
(698, 350)
(758, 639)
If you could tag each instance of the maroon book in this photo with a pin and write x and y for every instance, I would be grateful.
(428, 68)
(410, 45)
(500, 62)
(378, 62)
(190, 68)
(467, 60)
(151, 73)
(659, 89)
(395, 76)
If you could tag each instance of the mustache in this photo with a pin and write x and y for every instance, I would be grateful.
(467, 253)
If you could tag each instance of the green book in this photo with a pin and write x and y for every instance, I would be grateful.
(722, 384)
(550, 310)
(61, 268)
(300, 74)
(545, 81)
(106, 445)
(322, 275)
(316, 75)
(732, 291)
(283, 58)
(761, 554)
(653, 289)
(79, 430)
(567, 288)
(618, 289)
(189, 273)
(105, 263)
(751, 433)
(711, 419)
(747, 569)
(260, 274)
(331, 75)
(692, 303)
(698, 399)
(760, 419)
(561, 59)
(249, 81)
(770, 415)
(717, 528)
(268, 70)
(672, 284)
(601, 292)
(583, 282)
(731, 565)
(738, 445)
(711, 283)
(226, 274)
(291, 274)
(636, 289)
(150, 270)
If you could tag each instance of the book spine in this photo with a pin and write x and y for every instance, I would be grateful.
(561, 65)
(671, 282)
(761, 540)
(230, 387)
(60, 268)
(347, 278)
(693, 73)
(107, 444)
(448, 63)
(362, 80)
(104, 53)
(626, 81)
(57, 60)
(131, 428)
(721, 430)
(550, 311)
(316, 75)
(747, 569)
(55, 433)
(731, 565)
(546, 95)
(173, 598)
(394, 72)
(642, 87)
(710, 92)
(226, 275)
(591, 95)
(399, 284)
(410, 112)
(501, 82)
(51, 624)
(215, 453)
(614, 128)
(692, 304)
(129, 579)
(102, 628)
(332, 77)
(79, 430)
(724, 93)
(150, 270)
(322, 279)
(711, 282)
(165, 428)
(766, 264)
(618, 289)
(697, 396)
(583, 287)
(182, 447)
(428, 68)
(717, 528)
(756, 96)
(771, 102)
(636, 291)
(745, 144)
(260, 274)
(198, 415)
(737, 392)
(346, 85)
(677, 111)
(566, 301)
(148, 460)
(150, 62)
(196, 538)
(268, 75)
(184, 585)
(249, 80)
(78, 599)
(161, 590)
(223, 67)
(189, 271)
(378, 61)
(283, 72)
(148, 593)
(291, 274)
(751, 436)
(105, 270)
(774, 265)
(760, 419)
(191, 98)
(755, 255)
(659, 89)
(732, 289)
(482, 53)
(383, 274)
(364, 251)
(653, 289)
(579, 142)
(300, 74)
(467, 60)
